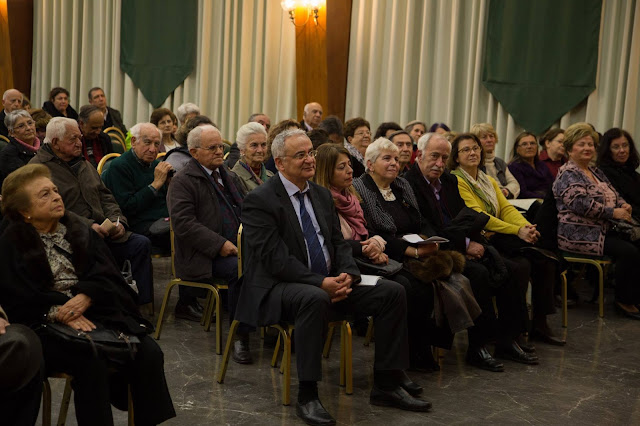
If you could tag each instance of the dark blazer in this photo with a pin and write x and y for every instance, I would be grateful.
(275, 250)
(627, 182)
(430, 209)
(12, 157)
(197, 221)
(3, 128)
(114, 119)
(51, 109)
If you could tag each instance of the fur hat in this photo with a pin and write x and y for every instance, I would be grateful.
(437, 266)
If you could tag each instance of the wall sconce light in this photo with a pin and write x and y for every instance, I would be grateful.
(312, 6)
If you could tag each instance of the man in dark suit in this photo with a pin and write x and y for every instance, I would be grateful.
(444, 209)
(299, 269)
(204, 202)
(11, 101)
(112, 117)
(311, 116)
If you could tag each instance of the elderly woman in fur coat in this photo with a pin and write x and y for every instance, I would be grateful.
(55, 269)
(390, 211)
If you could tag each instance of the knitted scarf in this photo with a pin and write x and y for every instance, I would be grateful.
(482, 188)
(349, 208)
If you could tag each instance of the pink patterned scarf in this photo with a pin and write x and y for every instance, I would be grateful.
(349, 208)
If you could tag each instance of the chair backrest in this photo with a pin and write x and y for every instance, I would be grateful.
(117, 146)
(114, 130)
(103, 165)
(161, 154)
(4, 141)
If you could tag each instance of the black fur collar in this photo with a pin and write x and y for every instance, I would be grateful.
(29, 245)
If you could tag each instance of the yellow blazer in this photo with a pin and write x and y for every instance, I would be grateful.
(508, 219)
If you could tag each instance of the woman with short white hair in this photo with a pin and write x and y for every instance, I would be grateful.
(252, 143)
(23, 144)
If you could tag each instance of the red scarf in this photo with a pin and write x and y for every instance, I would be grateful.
(348, 206)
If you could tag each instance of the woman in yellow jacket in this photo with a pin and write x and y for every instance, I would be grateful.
(509, 230)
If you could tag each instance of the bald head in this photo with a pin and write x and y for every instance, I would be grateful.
(312, 114)
(12, 100)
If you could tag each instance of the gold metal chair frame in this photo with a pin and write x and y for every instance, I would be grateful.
(66, 400)
(104, 160)
(284, 336)
(601, 264)
(213, 299)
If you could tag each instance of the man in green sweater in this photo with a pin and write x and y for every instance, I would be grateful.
(138, 181)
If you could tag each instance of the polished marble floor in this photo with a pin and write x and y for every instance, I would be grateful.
(594, 380)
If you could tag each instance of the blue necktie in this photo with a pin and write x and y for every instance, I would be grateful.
(318, 263)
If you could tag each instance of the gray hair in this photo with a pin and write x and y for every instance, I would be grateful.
(195, 136)
(277, 146)
(137, 129)
(410, 125)
(12, 117)
(187, 108)
(379, 145)
(57, 128)
(6, 93)
(424, 140)
(247, 130)
(253, 116)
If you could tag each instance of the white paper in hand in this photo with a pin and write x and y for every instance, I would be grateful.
(370, 280)
(417, 239)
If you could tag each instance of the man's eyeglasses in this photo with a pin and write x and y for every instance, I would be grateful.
(213, 148)
(303, 155)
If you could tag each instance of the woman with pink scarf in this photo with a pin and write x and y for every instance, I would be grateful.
(334, 172)
(23, 143)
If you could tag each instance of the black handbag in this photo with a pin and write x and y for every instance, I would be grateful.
(116, 346)
(367, 267)
(629, 230)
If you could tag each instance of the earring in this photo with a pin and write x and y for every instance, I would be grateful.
(29, 217)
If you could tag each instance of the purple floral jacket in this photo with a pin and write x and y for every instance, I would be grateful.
(583, 219)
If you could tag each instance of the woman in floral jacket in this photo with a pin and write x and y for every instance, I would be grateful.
(587, 204)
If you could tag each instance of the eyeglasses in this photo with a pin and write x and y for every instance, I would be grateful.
(363, 133)
(468, 149)
(303, 155)
(525, 144)
(25, 124)
(213, 148)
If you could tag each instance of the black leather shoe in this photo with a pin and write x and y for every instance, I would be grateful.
(515, 353)
(481, 358)
(397, 398)
(545, 335)
(187, 312)
(526, 346)
(409, 385)
(633, 315)
(198, 307)
(313, 413)
(241, 353)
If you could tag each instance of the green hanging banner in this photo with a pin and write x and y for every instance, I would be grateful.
(541, 57)
(158, 44)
